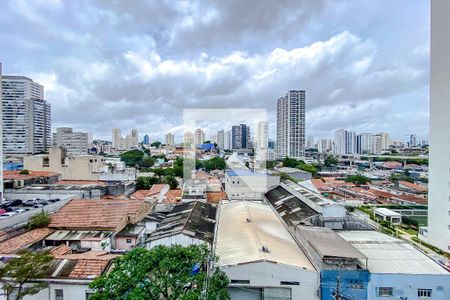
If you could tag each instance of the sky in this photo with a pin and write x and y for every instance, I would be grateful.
(138, 64)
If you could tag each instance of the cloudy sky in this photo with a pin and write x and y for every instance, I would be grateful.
(138, 64)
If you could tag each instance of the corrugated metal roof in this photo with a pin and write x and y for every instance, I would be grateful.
(386, 254)
(244, 228)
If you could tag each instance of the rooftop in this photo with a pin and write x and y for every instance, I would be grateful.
(110, 215)
(244, 228)
(387, 212)
(196, 219)
(15, 175)
(328, 243)
(244, 172)
(386, 254)
(24, 240)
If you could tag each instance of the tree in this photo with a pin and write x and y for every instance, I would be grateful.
(291, 162)
(270, 164)
(357, 179)
(144, 183)
(171, 181)
(18, 273)
(308, 168)
(147, 162)
(215, 163)
(132, 157)
(331, 161)
(164, 272)
(156, 144)
(39, 220)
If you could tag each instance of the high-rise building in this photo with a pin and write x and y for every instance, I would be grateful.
(188, 137)
(310, 142)
(90, 137)
(146, 140)
(262, 132)
(117, 138)
(439, 176)
(220, 139)
(131, 141)
(345, 142)
(74, 143)
(26, 116)
(291, 124)
(240, 137)
(169, 139)
(412, 140)
(227, 140)
(324, 145)
(199, 137)
(364, 143)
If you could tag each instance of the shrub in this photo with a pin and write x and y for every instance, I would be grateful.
(39, 220)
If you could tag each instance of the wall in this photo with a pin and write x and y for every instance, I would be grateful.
(77, 291)
(352, 283)
(406, 285)
(121, 243)
(249, 187)
(179, 239)
(265, 274)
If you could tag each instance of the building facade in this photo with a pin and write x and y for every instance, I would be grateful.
(240, 137)
(439, 176)
(169, 139)
(262, 133)
(116, 138)
(26, 116)
(291, 124)
(75, 143)
(221, 139)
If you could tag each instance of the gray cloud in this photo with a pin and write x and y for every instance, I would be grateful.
(137, 64)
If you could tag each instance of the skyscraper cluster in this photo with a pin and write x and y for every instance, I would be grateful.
(348, 142)
(130, 141)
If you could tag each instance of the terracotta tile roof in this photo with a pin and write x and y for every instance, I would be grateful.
(173, 196)
(111, 215)
(140, 194)
(15, 175)
(157, 188)
(412, 198)
(60, 250)
(215, 197)
(413, 186)
(24, 240)
(88, 268)
(82, 182)
(96, 255)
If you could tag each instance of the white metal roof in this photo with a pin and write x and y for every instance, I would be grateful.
(387, 212)
(386, 254)
(245, 227)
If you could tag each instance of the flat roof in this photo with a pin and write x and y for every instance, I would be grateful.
(388, 255)
(328, 243)
(244, 228)
(245, 172)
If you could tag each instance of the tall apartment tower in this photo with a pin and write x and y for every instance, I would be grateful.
(227, 140)
(75, 143)
(199, 136)
(26, 116)
(291, 124)
(169, 139)
(116, 138)
(220, 139)
(240, 137)
(262, 133)
(439, 176)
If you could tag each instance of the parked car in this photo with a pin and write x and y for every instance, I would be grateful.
(29, 202)
(53, 200)
(15, 202)
(10, 214)
(41, 201)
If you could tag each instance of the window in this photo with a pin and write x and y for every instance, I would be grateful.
(424, 293)
(239, 281)
(59, 294)
(289, 283)
(128, 241)
(385, 292)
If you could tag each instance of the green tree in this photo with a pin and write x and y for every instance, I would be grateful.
(147, 162)
(178, 167)
(270, 164)
(331, 161)
(19, 272)
(308, 168)
(357, 179)
(171, 181)
(164, 272)
(215, 163)
(292, 162)
(156, 144)
(145, 183)
(39, 220)
(132, 157)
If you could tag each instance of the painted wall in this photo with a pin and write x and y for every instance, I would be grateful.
(352, 283)
(265, 274)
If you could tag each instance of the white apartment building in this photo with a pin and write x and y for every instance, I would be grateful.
(221, 139)
(199, 136)
(365, 143)
(26, 116)
(131, 141)
(291, 124)
(227, 140)
(324, 145)
(345, 142)
(116, 138)
(188, 137)
(438, 232)
(310, 142)
(169, 139)
(75, 143)
(262, 133)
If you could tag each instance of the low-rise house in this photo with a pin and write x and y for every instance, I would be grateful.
(31, 239)
(130, 237)
(260, 256)
(243, 184)
(397, 269)
(154, 195)
(195, 189)
(186, 224)
(385, 214)
(15, 179)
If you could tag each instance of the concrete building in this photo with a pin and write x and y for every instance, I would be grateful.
(310, 143)
(221, 139)
(75, 143)
(291, 124)
(243, 184)
(117, 138)
(188, 137)
(262, 133)
(227, 140)
(324, 145)
(365, 143)
(199, 137)
(259, 255)
(438, 231)
(388, 215)
(169, 139)
(240, 137)
(26, 116)
(397, 269)
(146, 140)
(345, 142)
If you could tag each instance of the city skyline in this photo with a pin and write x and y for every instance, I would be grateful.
(251, 73)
